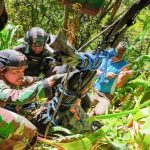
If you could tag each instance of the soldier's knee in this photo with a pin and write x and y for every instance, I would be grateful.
(16, 131)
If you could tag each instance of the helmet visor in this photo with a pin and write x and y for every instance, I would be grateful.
(17, 64)
(39, 42)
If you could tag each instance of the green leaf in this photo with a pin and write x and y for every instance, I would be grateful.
(145, 28)
(109, 116)
(85, 143)
(143, 58)
(142, 113)
(118, 145)
(59, 128)
(139, 82)
(7, 35)
(144, 135)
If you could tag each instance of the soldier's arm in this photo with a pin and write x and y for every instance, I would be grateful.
(38, 90)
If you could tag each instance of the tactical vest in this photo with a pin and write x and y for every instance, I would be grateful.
(36, 64)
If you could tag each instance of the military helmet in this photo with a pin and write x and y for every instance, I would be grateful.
(36, 36)
(12, 58)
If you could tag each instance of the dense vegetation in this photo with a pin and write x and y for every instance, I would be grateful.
(126, 126)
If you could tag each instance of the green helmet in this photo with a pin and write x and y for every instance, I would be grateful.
(12, 58)
(36, 36)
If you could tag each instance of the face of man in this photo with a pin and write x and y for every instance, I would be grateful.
(120, 50)
(36, 49)
(15, 75)
(38, 45)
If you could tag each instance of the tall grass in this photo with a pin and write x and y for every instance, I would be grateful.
(7, 36)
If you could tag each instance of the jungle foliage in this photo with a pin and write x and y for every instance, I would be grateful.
(126, 126)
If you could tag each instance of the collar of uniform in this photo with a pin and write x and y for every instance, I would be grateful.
(26, 50)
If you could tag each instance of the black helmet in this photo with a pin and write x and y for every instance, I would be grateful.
(12, 58)
(36, 36)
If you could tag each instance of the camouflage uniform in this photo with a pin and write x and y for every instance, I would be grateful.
(38, 90)
(16, 132)
(36, 63)
(15, 129)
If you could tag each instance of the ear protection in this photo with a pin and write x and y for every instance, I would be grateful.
(28, 37)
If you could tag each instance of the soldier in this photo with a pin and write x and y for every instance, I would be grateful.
(14, 128)
(36, 49)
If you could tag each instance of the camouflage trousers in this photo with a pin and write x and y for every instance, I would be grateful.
(74, 119)
(16, 132)
(71, 117)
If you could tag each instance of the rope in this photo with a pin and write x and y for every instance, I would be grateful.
(65, 82)
(58, 105)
